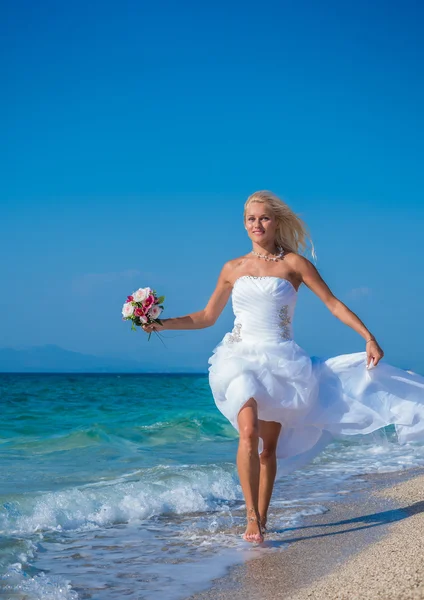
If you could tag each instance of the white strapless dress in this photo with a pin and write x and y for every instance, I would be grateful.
(313, 399)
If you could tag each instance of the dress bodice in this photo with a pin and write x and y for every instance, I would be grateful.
(263, 309)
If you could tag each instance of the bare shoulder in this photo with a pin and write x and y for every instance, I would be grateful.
(298, 264)
(308, 274)
(300, 268)
(232, 268)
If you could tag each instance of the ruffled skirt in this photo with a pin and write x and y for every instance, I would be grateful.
(314, 399)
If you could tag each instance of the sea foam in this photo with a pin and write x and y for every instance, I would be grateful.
(157, 491)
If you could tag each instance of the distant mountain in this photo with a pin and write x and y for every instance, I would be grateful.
(53, 359)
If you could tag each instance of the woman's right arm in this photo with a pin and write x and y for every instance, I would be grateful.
(207, 316)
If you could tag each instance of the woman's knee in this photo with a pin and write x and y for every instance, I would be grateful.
(248, 423)
(249, 436)
(268, 454)
(249, 433)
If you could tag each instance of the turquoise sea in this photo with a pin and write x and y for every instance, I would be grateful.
(124, 486)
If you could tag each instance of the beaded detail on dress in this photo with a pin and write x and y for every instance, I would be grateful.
(235, 335)
(285, 322)
(255, 277)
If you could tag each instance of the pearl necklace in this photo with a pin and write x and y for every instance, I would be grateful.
(268, 256)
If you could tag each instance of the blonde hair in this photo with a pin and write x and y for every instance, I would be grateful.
(292, 233)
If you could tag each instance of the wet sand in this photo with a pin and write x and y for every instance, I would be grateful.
(371, 547)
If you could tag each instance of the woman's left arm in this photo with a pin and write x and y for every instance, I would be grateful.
(313, 280)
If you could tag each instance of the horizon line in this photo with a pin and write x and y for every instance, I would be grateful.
(103, 373)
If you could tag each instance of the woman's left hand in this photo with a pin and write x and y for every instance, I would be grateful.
(374, 353)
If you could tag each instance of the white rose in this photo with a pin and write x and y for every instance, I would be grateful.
(127, 309)
(141, 294)
(155, 311)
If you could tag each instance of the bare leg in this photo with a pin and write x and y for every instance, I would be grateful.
(269, 432)
(248, 467)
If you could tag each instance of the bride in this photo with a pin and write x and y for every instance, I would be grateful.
(285, 404)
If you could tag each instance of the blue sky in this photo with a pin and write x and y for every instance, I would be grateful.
(134, 132)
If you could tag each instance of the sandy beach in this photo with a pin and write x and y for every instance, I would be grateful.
(365, 549)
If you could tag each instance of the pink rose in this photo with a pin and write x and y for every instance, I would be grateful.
(143, 318)
(154, 312)
(139, 312)
(127, 309)
(141, 294)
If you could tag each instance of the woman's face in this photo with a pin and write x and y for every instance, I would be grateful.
(260, 223)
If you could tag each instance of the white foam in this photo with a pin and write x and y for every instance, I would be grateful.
(40, 587)
(365, 458)
(161, 490)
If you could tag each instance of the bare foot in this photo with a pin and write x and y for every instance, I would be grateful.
(253, 531)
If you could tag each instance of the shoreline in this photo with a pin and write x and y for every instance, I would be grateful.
(365, 547)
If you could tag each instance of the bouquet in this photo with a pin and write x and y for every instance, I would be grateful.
(143, 306)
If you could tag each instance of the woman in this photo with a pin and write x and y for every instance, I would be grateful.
(283, 403)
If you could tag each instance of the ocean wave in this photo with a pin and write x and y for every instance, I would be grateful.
(184, 428)
(181, 428)
(153, 492)
(76, 439)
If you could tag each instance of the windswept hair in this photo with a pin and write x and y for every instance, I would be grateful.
(292, 233)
